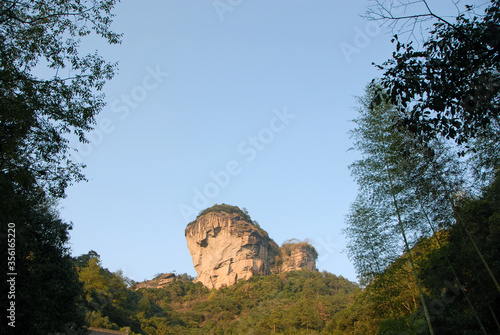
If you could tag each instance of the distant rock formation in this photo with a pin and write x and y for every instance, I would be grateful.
(296, 255)
(226, 246)
(159, 282)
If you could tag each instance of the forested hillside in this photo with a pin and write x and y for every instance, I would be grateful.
(293, 302)
(461, 294)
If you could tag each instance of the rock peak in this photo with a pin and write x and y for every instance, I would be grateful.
(227, 246)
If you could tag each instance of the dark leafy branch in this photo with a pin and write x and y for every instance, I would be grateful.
(37, 111)
(451, 86)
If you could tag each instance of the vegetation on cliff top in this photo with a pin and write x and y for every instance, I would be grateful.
(292, 244)
(227, 209)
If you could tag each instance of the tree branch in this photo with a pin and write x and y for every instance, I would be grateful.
(389, 13)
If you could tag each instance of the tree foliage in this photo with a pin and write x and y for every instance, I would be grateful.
(371, 245)
(384, 174)
(448, 299)
(293, 302)
(49, 91)
(418, 188)
(47, 290)
(48, 88)
(449, 87)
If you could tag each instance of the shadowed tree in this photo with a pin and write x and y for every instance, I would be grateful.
(49, 91)
(47, 88)
(410, 184)
(449, 87)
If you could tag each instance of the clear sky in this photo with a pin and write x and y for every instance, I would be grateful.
(240, 102)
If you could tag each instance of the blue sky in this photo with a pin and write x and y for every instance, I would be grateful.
(240, 102)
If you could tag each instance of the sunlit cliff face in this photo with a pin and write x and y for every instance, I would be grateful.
(226, 248)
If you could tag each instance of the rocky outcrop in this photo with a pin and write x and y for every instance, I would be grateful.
(296, 256)
(159, 282)
(226, 246)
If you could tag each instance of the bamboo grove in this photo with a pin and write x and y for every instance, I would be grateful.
(410, 212)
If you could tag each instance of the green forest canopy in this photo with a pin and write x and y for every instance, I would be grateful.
(283, 303)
